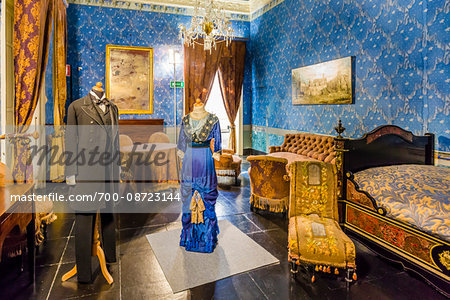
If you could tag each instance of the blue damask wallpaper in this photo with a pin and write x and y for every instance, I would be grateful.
(91, 28)
(401, 50)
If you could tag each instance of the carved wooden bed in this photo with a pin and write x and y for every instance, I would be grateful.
(426, 254)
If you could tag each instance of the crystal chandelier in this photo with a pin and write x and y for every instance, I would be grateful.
(208, 22)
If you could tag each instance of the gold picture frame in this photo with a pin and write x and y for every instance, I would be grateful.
(129, 78)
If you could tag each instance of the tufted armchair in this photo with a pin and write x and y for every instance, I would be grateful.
(305, 146)
(269, 183)
(315, 238)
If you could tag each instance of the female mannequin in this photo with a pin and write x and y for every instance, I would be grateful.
(199, 111)
(199, 129)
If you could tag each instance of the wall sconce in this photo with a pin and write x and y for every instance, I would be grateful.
(174, 56)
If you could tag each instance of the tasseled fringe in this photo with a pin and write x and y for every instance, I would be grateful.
(14, 252)
(225, 173)
(38, 237)
(273, 205)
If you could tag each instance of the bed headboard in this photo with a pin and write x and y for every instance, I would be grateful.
(387, 145)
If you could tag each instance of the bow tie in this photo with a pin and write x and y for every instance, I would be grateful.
(101, 101)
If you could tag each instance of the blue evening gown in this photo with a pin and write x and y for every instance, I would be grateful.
(199, 183)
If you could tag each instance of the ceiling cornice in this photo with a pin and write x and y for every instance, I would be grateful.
(232, 6)
(237, 9)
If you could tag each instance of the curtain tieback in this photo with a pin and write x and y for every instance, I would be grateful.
(197, 208)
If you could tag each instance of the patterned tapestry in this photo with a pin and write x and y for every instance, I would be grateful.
(402, 65)
(91, 28)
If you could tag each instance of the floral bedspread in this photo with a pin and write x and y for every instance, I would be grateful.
(415, 194)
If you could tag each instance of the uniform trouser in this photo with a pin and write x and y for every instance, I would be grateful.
(84, 232)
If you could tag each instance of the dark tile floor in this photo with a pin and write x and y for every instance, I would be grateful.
(138, 275)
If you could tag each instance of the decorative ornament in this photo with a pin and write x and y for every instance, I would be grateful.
(444, 259)
(339, 129)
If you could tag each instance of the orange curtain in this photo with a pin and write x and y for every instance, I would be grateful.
(59, 84)
(59, 61)
(231, 78)
(32, 32)
(200, 68)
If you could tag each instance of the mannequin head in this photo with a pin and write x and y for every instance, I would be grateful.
(98, 90)
(199, 110)
(198, 103)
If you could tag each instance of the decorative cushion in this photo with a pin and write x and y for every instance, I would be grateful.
(313, 189)
(320, 241)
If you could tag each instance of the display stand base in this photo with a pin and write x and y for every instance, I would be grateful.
(96, 251)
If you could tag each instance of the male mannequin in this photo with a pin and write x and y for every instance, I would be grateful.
(92, 131)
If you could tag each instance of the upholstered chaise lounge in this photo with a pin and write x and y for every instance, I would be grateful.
(316, 241)
(269, 190)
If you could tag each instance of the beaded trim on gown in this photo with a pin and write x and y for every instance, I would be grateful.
(199, 182)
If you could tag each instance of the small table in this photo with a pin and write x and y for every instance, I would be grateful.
(20, 214)
(155, 163)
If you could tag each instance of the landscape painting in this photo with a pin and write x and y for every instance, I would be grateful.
(325, 83)
(129, 78)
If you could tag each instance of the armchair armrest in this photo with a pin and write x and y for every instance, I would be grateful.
(273, 149)
(227, 151)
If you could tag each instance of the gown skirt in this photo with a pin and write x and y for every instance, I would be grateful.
(199, 174)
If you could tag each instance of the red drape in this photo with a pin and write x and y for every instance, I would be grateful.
(231, 78)
(32, 32)
(200, 68)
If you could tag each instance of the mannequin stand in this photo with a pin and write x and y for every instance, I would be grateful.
(96, 251)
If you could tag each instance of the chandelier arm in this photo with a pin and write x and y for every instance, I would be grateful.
(210, 23)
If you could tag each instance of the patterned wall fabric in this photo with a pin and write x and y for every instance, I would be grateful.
(91, 28)
(402, 57)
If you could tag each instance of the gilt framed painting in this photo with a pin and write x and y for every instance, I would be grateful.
(129, 78)
(330, 82)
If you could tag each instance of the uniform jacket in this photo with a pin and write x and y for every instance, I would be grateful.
(95, 152)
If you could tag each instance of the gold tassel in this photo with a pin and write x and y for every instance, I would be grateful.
(329, 269)
(317, 268)
(336, 271)
(313, 279)
(320, 268)
(354, 276)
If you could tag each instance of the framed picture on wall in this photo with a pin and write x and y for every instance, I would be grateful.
(329, 82)
(129, 78)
